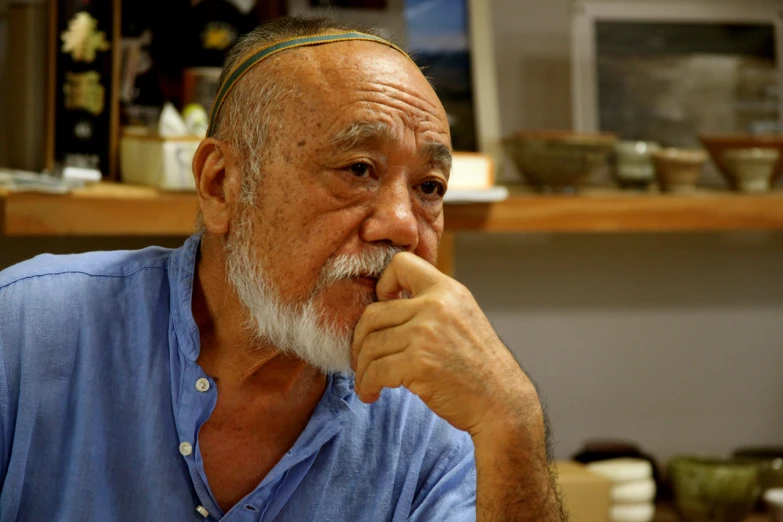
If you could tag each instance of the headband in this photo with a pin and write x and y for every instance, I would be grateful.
(258, 56)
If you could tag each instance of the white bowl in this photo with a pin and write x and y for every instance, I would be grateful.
(622, 470)
(632, 512)
(634, 492)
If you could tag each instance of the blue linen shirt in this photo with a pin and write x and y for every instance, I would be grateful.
(101, 401)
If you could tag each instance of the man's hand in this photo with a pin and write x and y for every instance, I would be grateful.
(440, 346)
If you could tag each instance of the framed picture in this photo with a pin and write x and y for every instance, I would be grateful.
(452, 41)
(668, 71)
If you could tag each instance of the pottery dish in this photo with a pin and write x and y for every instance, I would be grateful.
(716, 145)
(713, 489)
(559, 161)
(770, 462)
(633, 163)
(751, 168)
(678, 170)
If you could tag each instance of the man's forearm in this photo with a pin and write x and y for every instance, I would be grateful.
(514, 480)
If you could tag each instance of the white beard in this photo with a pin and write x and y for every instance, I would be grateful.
(300, 329)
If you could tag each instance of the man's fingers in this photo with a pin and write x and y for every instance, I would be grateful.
(380, 344)
(379, 316)
(407, 272)
(386, 372)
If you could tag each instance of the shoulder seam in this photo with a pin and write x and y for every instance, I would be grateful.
(81, 272)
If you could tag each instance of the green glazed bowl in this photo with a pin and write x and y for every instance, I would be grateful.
(559, 161)
(713, 489)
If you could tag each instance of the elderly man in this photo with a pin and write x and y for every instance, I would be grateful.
(216, 381)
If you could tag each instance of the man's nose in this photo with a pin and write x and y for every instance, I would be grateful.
(392, 218)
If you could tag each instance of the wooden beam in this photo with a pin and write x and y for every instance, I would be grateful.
(446, 254)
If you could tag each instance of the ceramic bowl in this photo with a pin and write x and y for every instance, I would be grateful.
(713, 489)
(751, 168)
(634, 166)
(559, 161)
(596, 450)
(770, 462)
(716, 145)
(678, 170)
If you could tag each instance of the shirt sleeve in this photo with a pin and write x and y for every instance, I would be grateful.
(449, 493)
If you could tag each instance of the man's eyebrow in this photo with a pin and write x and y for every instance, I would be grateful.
(361, 131)
(440, 155)
(358, 132)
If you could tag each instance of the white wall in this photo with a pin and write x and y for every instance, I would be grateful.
(671, 340)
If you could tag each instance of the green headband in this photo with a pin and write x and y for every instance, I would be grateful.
(258, 56)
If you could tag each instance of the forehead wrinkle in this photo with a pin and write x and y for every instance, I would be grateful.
(401, 95)
(411, 116)
(413, 97)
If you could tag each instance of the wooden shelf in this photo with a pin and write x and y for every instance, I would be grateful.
(121, 210)
(617, 211)
(104, 209)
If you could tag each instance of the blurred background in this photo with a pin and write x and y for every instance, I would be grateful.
(647, 133)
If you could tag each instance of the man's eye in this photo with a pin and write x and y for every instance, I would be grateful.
(433, 187)
(359, 169)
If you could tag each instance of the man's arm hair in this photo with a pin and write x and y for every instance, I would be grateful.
(516, 476)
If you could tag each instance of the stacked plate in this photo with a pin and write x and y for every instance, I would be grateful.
(633, 488)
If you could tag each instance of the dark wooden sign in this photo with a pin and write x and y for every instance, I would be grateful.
(85, 111)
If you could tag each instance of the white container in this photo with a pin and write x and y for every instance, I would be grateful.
(165, 163)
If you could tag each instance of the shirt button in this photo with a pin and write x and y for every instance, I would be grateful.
(186, 448)
(202, 385)
(201, 511)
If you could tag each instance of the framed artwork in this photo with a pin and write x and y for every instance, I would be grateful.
(451, 40)
(669, 71)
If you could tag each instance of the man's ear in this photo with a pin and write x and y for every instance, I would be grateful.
(218, 184)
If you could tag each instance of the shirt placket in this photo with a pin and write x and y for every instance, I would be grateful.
(198, 399)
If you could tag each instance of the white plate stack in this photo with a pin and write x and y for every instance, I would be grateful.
(633, 488)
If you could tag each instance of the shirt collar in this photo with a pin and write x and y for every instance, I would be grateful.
(182, 273)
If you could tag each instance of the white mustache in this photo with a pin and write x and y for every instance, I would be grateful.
(371, 262)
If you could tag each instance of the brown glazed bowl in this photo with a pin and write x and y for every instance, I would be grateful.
(678, 170)
(717, 145)
(559, 161)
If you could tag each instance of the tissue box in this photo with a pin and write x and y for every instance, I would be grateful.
(166, 163)
(586, 495)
